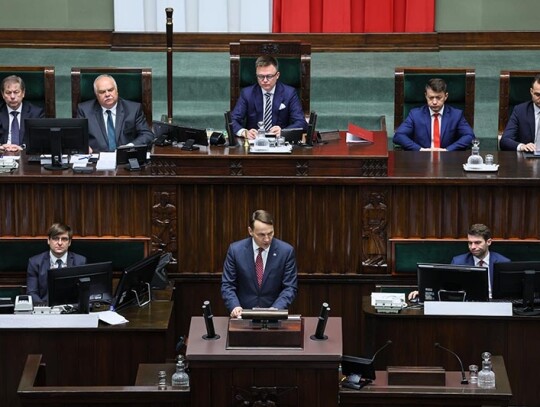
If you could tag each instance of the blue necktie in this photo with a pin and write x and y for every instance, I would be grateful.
(267, 119)
(111, 132)
(15, 129)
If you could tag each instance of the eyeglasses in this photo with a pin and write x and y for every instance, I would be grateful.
(267, 77)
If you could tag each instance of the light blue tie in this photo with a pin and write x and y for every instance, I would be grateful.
(111, 132)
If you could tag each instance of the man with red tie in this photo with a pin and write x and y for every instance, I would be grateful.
(434, 126)
(260, 271)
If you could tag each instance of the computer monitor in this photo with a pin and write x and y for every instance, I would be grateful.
(450, 282)
(168, 133)
(228, 127)
(135, 282)
(93, 281)
(56, 137)
(311, 134)
(517, 280)
(133, 156)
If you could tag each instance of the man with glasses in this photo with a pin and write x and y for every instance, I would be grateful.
(269, 101)
(522, 132)
(58, 256)
(13, 112)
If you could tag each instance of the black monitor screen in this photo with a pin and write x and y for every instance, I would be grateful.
(63, 283)
(449, 282)
(311, 134)
(135, 281)
(176, 133)
(518, 280)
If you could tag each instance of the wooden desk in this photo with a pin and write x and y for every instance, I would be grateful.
(453, 394)
(301, 377)
(414, 334)
(107, 355)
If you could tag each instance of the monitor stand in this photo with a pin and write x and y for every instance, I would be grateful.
(56, 151)
(142, 304)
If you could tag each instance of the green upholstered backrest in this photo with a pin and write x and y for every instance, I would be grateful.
(414, 89)
(518, 91)
(290, 72)
(39, 85)
(129, 85)
(122, 252)
(407, 253)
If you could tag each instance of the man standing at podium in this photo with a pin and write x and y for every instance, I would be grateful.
(260, 271)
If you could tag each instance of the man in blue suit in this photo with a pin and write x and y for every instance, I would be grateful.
(285, 106)
(522, 132)
(129, 125)
(15, 109)
(435, 126)
(260, 271)
(479, 240)
(58, 256)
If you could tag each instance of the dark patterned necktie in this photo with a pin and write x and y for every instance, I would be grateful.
(15, 129)
(259, 268)
(267, 119)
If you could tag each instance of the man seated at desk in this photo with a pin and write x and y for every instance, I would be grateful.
(260, 271)
(434, 126)
(58, 256)
(522, 132)
(113, 121)
(269, 101)
(479, 239)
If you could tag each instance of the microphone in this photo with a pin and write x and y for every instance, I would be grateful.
(463, 377)
(388, 342)
(209, 322)
(321, 324)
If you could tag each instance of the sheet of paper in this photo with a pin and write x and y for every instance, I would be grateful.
(107, 161)
(111, 318)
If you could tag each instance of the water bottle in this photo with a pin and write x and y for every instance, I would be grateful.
(475, 160)
(261, 142)
(486, 376)
(180, 379)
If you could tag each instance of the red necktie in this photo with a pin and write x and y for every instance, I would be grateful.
(481, 263)
(436, 131)
(259, 268)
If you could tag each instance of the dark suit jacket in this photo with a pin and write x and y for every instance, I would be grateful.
(239, 287)
(130, 125)
(28, 111)
(286, 108)
(415, 132)
(36, 274)
(520, 127)
(467, 259)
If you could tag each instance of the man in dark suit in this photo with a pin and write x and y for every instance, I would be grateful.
(479, 239)
(59, 240)
(435, 126)
(522, 132)
(13, 112)
(113, 121)
(283, 103)
(260, 271)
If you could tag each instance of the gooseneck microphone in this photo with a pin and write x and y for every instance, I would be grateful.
(388, 342)
(463, 377)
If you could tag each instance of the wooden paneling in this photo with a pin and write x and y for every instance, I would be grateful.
(383, 42)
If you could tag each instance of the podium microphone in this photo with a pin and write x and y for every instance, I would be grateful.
(463, 377)
(209, 322)
(321, 324)
(388, 342)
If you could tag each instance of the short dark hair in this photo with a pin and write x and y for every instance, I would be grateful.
(436, 85)
(536, 79)
(479, 229)
(59, 229)
(266, 60)
(12, 79)
(262, 216)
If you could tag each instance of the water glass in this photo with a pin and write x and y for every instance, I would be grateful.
(489, 159)
(473, 374)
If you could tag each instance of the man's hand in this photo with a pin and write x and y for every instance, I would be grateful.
(236, 312)
(432, 149)
(252, 134)
(11, 148)
(529, 147)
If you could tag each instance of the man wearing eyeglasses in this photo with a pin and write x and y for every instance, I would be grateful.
(522, 132)
(58, 256)
(269, 101)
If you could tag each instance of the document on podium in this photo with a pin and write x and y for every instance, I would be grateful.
(106, 162)
(357, 134)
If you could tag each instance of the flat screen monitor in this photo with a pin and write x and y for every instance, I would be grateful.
(135, 282)
(134, 156)
(228, 127)
(64, 284)
(450, 282)
(56, 137)
(292, 136)
(311, 134)
(168, 133)
(518, 280)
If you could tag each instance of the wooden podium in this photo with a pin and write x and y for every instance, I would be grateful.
(223, 377)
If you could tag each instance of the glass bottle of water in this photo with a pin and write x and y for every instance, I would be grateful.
(475, 160)
(180, 379)
(261, 142)
(486, 376)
